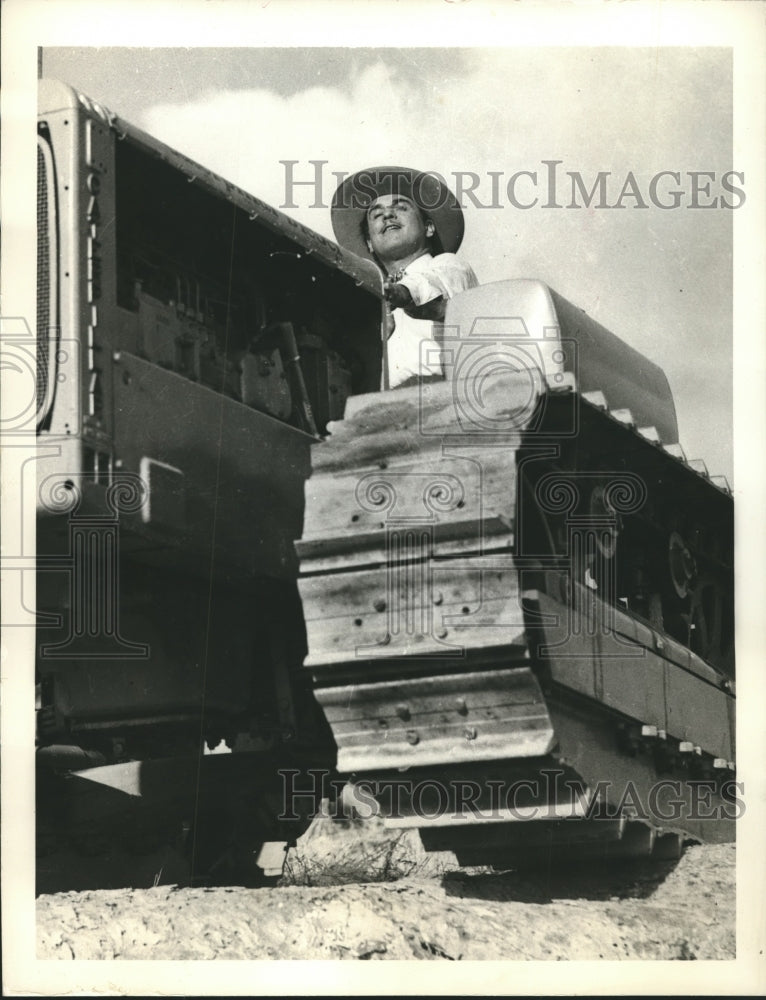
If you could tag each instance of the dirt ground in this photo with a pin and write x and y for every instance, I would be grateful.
(355, 892)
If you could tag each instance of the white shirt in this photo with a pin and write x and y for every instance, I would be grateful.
(413, 348)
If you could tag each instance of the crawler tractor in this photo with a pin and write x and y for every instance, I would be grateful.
(500, 603)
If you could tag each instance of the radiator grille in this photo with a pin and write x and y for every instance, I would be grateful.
(47, 267)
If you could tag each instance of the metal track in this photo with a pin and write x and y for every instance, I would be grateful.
(459, 636)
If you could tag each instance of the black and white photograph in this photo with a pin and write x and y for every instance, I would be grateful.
(383, 431)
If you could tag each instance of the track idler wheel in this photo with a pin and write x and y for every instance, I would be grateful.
(668, 847)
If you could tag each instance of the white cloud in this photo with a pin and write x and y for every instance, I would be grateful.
(659, 279)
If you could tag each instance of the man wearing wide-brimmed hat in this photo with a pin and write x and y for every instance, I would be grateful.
(410, 224)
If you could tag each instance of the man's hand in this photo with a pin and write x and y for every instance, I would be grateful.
(433, 310)
(397, 295)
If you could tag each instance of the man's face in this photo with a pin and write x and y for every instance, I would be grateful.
(396, 226)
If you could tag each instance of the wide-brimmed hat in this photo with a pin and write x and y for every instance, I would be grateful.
(427, 190)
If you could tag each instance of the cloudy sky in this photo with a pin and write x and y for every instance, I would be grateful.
(661, 279)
